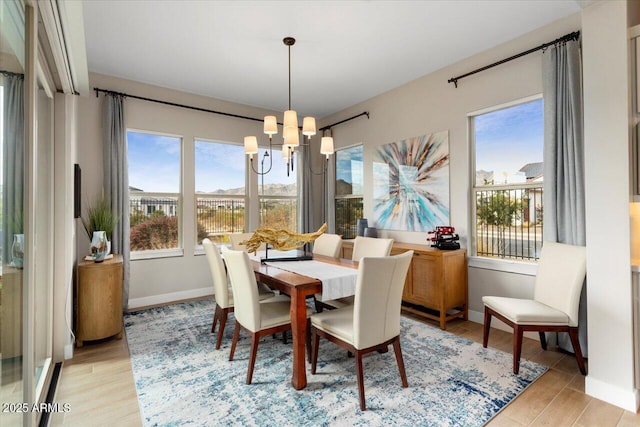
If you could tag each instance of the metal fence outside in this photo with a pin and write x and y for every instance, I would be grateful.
(347, 212)
(509, 221)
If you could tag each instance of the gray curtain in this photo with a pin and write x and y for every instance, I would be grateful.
(116, 180)
(13, 161)
(305, 191)
(564, 212)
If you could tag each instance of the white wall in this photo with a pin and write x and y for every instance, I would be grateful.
(606, 132)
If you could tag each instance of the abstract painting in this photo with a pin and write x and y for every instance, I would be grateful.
(411, 183)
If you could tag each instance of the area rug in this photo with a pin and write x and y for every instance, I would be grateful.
(182, 380)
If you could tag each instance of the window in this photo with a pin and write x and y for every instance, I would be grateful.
(507, 153)
(278, 191)
(154, 191)
(348, 198)
(220, 190)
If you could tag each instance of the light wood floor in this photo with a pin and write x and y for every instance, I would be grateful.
(98, 384)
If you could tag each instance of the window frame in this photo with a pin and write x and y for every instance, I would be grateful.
(525, 267)
(169, 252)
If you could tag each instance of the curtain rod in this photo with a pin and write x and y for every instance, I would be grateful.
(563, 39)
(11, 73)
(364, 113)
(206, 110)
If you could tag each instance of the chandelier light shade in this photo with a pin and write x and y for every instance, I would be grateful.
(290, 130)
(250, 146)
(270, 125)
(309, 126)
(326, 146)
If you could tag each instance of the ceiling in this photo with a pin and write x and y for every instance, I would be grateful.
(346, 51)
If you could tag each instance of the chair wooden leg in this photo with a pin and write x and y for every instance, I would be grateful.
(575, 342)
(398, 352)
(543, 339)
(284, 337)
(487, 326)
(236, 334)
(223, 322)
(314, 351)
(308, 340)
(216, 313)
(360, 380)
(517, 347)
(255, 340)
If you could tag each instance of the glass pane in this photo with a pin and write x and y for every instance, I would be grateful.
(154, 190)
(278, 191)
(220, 176)
(508, 144)
(349, 177)
(12, 45)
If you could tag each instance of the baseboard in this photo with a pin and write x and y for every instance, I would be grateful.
(478, 317)
(625, 399)
(68, 351)
(170, 297)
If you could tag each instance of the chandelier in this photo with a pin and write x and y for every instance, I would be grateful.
(290, 132)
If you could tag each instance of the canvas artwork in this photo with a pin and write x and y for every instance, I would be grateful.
(411, 183)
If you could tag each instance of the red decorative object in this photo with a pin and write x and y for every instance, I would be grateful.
(445, 237)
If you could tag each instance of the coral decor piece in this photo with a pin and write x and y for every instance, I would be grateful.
(281, 240)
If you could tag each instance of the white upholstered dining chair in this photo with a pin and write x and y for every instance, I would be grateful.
(362, 247)
(554, 307)
(373, 322)
(328, 245)
(223, 294)
(255, 317)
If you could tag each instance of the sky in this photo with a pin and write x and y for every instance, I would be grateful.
(506, 140)
(154, 164)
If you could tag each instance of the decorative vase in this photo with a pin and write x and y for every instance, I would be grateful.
(361, 225)
(371, 232)
(17, 250)
(99, 246)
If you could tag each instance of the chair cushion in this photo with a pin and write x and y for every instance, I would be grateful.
(276, 311)
(264, 291)
(525, 311)
(338, 323)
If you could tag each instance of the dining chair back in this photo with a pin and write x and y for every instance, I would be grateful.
(370, 247)
(218, 273)
(373, 322)
(554, 307)
(328, 245)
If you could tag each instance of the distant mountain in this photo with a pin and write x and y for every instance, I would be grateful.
(269, 190)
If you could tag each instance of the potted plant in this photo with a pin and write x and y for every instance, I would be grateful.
(100, 217)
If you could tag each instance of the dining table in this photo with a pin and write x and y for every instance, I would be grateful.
(298, 287)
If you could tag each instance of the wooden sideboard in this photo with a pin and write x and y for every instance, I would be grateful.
(99, 299)
(436, 285)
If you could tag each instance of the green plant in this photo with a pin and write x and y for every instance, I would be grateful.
(99, 217)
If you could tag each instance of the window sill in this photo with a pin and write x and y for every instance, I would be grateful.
(158, 253)
(506, 266)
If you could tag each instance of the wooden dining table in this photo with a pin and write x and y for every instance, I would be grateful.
(298, 287)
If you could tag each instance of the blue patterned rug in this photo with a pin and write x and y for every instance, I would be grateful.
(182, 380)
